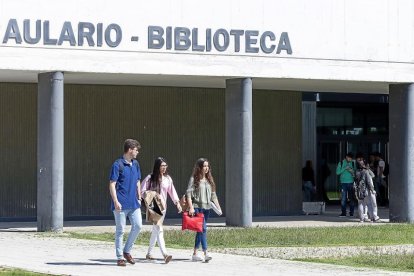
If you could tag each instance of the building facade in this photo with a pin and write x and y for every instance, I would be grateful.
(222, 80)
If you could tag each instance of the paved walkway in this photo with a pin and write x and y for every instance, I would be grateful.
(22, 247)
(66, 256)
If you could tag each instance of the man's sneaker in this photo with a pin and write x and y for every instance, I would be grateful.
(351, 214)
(167, 258)
(207, 258)
(196, 258)
(342, 215)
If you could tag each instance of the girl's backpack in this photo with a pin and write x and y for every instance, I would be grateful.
(360, 186)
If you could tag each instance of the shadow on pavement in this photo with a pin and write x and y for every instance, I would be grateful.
(113, 263)
(18, 230)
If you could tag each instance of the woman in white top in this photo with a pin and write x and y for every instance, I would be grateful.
(162, 183)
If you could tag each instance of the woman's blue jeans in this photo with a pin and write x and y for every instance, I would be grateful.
(201, 237)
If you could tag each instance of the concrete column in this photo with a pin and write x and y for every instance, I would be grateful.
(50, 152)
(239, 152)
(401, 129)
(309, 141)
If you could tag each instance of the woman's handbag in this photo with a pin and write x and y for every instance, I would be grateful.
(193, 223)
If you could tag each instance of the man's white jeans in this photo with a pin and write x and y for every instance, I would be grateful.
(135, 219)
(157, 236)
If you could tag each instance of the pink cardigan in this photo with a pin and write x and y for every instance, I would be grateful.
(167, 187)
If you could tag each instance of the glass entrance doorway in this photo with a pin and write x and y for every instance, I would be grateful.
(330, 152)
(357, 124)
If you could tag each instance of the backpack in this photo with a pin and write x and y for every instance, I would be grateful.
(360, 187)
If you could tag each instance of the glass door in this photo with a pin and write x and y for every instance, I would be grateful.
(330, 154)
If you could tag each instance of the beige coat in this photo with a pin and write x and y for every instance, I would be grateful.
(155, 207)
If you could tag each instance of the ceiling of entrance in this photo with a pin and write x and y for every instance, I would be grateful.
(196, 81)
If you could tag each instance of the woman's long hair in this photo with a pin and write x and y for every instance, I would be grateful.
(198, 174)
(361, 164)
(154, 182)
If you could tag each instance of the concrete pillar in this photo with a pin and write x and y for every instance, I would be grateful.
(401, 162)
(50, 152)
(239, 152)
(309, 132)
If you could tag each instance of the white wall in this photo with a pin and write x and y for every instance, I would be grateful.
(353, 40)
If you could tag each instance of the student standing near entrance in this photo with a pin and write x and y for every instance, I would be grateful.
(160, 182)
(308, 181)
(200, 193)
(124, 187)
(365, 192)
(346, 171)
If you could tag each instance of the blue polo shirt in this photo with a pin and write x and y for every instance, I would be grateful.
(126, 183)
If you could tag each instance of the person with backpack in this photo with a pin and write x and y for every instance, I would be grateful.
(346, 171)
(359, 157)
(365, 192)
(160, 182)
(124, 188)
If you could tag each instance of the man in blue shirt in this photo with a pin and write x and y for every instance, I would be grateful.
(124, 187)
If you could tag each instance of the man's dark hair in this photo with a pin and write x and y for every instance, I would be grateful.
(349, 154)
(131, 144)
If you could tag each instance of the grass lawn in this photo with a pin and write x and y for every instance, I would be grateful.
(276, 237)
(16, 271)
(358, 235)
(388, 262)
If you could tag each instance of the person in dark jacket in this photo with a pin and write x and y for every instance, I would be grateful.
(308, 181)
